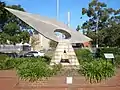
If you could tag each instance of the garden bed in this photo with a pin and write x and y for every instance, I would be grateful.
(54, 82)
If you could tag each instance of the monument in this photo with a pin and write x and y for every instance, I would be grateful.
(47, 27)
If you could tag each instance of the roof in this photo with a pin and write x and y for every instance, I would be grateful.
(47, 26)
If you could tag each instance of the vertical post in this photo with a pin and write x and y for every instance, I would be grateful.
(105, 70)
(68, 23)
(97, 32)
(41, 40)
(57, 9)
(68, 19)
(58, 5)
(113, 61)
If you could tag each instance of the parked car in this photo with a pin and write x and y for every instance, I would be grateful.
(28, 55)
(33, 54)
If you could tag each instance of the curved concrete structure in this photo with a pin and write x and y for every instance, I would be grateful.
(47, 27)
(67, 35)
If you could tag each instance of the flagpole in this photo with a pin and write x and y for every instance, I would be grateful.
(68, 23)
(57, 9)
(68, 19)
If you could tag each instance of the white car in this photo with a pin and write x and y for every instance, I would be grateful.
(36, 53)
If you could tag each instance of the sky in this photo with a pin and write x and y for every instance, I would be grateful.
(48, 8)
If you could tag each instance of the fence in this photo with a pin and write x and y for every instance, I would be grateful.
(14, 48)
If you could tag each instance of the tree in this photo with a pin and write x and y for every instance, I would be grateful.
(3, 38)
(13, 27)
(34, 41)
(101, 23)
(78, 28)
(24, 37)
(3, 14)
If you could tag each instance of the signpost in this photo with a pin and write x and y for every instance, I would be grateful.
(109, 56)
(69, 80)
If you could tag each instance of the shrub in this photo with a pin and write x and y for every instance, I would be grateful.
(19, 61)
(117, 60)
(4, 62)
(83, 55)
(34, 70)
(47, 59)
(31, 69)
(97, 70)
(9, 64)
(56, 68)
(3, 57)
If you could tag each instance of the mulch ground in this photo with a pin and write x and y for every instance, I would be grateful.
(9, 81)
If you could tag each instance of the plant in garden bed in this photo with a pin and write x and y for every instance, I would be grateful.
(6, 62)
(97, 70)
(117, 60)
(56, 68)
(35, 70)
(30, 69)
(47, 59)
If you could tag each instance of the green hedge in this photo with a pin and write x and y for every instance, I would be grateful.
(83, 55)
(114, 50)
(10, 63)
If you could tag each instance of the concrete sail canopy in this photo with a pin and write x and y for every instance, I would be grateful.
(47, 26)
